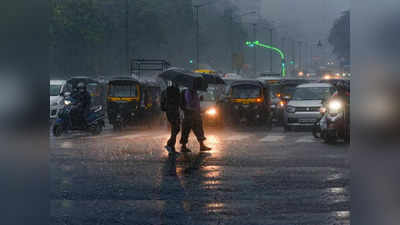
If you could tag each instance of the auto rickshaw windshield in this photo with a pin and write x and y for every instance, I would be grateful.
(246, 91)
(123, 90)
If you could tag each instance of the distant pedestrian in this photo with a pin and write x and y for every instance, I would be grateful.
(170, 99)
(190, 103)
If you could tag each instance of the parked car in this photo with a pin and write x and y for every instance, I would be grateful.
(303, 108)
(56, 100)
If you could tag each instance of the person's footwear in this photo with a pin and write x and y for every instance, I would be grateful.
(204, 148)
(185, 149)
(170, 149)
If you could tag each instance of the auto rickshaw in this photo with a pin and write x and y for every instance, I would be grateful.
(248, 101)
(151, 104)
(124, 100)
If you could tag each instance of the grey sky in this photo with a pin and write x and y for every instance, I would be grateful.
(307, 19)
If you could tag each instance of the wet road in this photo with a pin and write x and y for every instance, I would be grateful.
(250, 177)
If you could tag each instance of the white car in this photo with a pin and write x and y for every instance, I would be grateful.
(303, 108)
(56, 100)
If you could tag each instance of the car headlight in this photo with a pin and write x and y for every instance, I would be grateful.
(211, 112)
(334, 106)
(291, 109)
(67, 102)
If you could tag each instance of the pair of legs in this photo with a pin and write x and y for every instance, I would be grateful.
(193, 121)
(174, 120)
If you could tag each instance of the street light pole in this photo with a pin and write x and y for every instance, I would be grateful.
(255, 49)
(197, 35)
(127, 36)
(300, 56)
(196, 7)
(270, 53)
(231, 30)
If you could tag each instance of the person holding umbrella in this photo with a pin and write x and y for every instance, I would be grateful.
(170, 101)
(190, 103)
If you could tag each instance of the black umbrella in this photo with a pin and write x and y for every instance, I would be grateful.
(185, 78)
(213, 79)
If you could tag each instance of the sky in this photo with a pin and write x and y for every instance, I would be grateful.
(306, 19)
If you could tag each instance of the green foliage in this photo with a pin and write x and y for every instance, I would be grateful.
(339, 37)
(75, 21)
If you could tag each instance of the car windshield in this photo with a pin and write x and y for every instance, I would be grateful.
(123, 91)
(55, 89)
(288, 90)
(312, 93)
(246, 91)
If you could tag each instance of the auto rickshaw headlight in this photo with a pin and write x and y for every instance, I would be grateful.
(211, 112)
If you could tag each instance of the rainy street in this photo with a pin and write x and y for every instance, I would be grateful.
(251, 176)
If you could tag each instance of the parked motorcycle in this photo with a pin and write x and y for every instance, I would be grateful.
(65, 121)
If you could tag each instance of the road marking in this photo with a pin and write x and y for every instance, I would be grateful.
(132, 136)
(272, 138)
(236, 137)
(161, 136)
(306, 139)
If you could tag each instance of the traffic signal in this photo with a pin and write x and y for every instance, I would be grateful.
(191, 61)
(292, 62)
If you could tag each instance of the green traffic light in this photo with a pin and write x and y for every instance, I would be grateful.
(191, 61)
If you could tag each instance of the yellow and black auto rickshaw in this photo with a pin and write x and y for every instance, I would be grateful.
(124, 100)
(248, 101)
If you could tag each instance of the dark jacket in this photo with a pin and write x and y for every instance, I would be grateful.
(84, 100)
(170, 99)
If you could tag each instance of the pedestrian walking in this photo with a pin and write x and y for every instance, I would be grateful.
(170, 101)
(190, 103)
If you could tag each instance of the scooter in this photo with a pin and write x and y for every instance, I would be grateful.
(335, 124)
(65, 122)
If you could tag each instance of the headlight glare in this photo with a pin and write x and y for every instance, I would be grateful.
(335, 106)
(211, 112)
(67, 102)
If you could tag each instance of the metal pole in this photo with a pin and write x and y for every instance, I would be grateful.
(197, 37)
(231, 38)
(270, 52)
(300, 57)
(255, 49)
(127, 36)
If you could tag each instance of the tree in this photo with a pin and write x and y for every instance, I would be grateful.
(339, 37)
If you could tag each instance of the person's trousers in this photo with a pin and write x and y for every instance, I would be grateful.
(192, 121)
(174, 120)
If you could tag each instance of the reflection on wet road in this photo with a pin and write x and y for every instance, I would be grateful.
(250, 177)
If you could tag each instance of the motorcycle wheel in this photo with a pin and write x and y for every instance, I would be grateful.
(316, 131)
(57, 130)
(330, 139)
